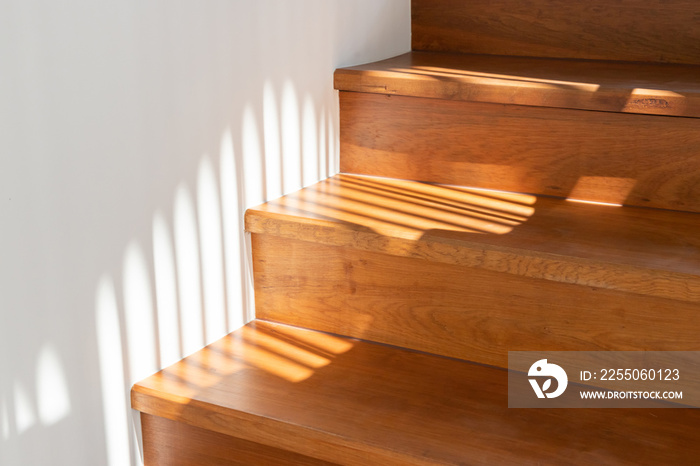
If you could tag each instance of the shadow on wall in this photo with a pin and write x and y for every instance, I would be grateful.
(139, 133)
(189, 284)
(197, 286)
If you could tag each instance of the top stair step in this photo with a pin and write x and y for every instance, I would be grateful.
(657, 89)
(634, 30)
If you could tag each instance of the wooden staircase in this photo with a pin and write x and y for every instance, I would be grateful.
(527, 178)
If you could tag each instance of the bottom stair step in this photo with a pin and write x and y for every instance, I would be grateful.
(306, 397)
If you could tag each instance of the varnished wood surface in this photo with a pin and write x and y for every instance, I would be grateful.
(373, 404)
(637, 30)
(172, 443)
(641, 160)
(660, 89)
(458, 311)
(643, 251)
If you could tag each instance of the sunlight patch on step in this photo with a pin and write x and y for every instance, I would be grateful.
(275, 364)
(196, 370)
(428, 217)
(290, 354)
(478, 77)
(510, 200)
(405, 209)
(294, 356)
(504, 204)
(286, 349)
(187, 377)
(660, 92)
(581, 201)
(322, 341)
(589, 188)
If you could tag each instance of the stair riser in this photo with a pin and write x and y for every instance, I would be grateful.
(594, 156)
(174, 443)
(647, 31)
(456, 311)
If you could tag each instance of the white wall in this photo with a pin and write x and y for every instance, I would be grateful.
(132, 136)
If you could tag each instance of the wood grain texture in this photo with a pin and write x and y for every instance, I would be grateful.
(171, 443)
(647, 252)
(642, 160)
(659, 89)
(645, 31)
(374, 404)
(456, 311)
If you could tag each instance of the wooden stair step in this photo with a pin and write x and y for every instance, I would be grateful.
(659, 89)
(472, 274)
(351, 402)
(633, 30)
(644, 251)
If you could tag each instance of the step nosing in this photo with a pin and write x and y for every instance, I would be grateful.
(589, 85)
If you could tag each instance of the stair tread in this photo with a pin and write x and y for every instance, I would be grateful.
(355, 402)
(660, 89)
(647, 251)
